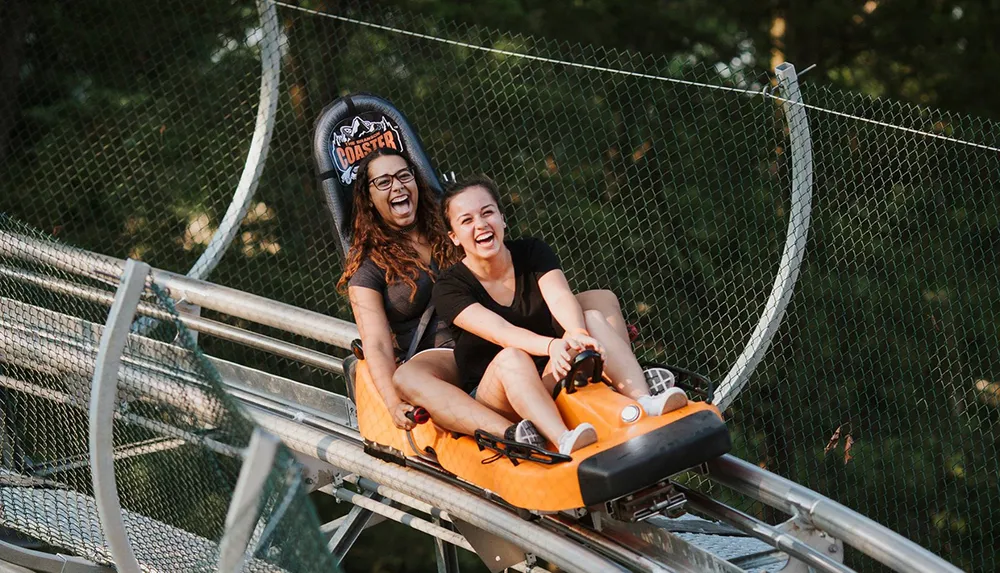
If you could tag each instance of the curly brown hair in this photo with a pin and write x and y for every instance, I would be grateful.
(387, 247)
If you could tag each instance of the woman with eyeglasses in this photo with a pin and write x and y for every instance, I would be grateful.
(398, 250)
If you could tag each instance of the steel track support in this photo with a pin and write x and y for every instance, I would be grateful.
(350, 529)
(819, 540)
(267, 112)
(800, 142)
(446, 553)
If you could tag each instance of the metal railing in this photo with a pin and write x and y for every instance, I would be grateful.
(331, 441)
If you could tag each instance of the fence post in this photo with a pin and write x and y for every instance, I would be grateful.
(800, 144)
(102, 412)
(270, 75)
(244, 509)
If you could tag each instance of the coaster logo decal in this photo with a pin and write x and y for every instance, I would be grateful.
(358, 136)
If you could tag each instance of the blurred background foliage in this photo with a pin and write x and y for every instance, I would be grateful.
(124, 127)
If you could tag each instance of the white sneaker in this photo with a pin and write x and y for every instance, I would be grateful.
(659, 379)
(671, 399)
(579, 437)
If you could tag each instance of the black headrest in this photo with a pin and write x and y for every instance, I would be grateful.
(349, 129)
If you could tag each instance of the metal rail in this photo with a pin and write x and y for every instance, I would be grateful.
(102, 415)
(40, 562)
(196, 323)
(800, 142)
(227, 300)
(267, 111)
(876, 541)
(135, 449)
(244, 508)
(154, 425)
(389, 493)
(399, 516)
(335, 442)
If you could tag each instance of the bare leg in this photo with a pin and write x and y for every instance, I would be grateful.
(513, 388)
(605, 302)
(621, 364)
(430, 380)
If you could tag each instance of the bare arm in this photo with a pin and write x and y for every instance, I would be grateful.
(488, 325)
(562, 302)
(376, 337)
(566, 309)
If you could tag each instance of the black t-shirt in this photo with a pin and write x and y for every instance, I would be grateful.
(404, 314)
(458, 288)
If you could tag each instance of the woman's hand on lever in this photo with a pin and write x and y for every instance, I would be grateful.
(561, 352)
(399, 418)
(581, 341)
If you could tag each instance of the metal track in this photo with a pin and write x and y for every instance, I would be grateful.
(320, 426)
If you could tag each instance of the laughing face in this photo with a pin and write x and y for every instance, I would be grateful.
(393, 190)
(476, 223)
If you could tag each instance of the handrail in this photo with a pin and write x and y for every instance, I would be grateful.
(876, 541)
(201, 293)
(196, 323)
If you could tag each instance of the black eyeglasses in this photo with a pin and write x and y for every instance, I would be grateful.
(384, 182)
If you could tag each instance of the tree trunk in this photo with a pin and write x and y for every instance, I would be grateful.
(14, 19)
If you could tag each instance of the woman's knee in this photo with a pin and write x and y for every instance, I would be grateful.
(513, 359)
(404, 379)
(431, 369)
(512, 369)
(603, 300)
(592, 317)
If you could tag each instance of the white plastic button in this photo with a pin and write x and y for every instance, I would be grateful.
(630, 413)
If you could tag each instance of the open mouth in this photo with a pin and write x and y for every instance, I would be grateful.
(400, 205)
(485, 239)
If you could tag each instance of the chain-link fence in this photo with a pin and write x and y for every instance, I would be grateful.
(177, 439)
(664, 179)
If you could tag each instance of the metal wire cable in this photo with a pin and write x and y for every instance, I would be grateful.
(618, 71)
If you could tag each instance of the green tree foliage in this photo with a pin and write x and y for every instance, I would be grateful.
(927, 52)
(132, 123)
